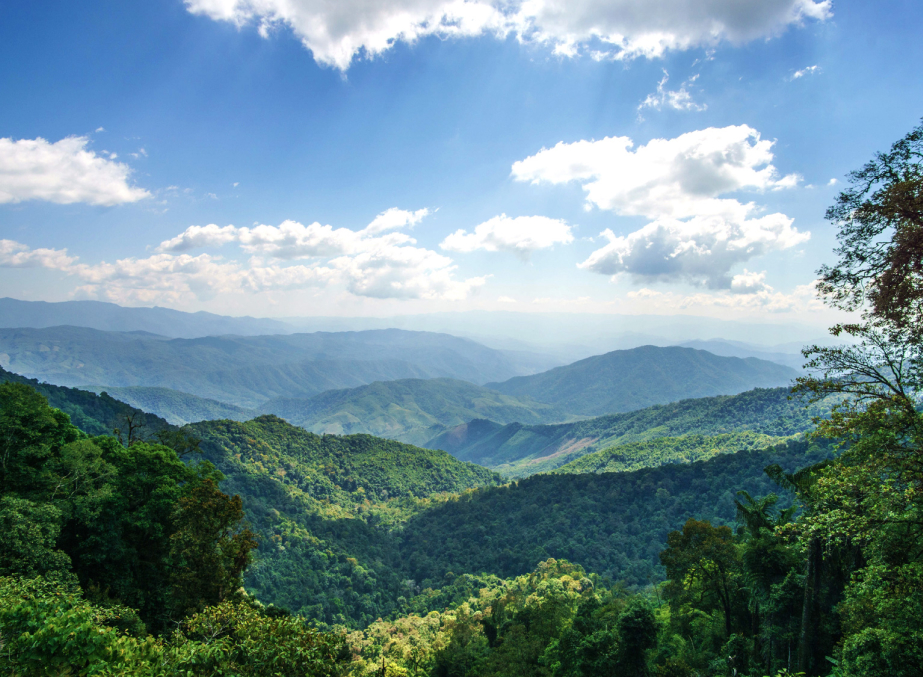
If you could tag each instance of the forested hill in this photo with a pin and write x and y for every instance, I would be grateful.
(246, 370)
(344, 471)
(322, 506)
(177, 407)
(93, 414)
(625, 380)
(409, 410)
(520, 450)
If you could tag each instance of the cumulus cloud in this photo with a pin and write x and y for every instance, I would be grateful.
(679, 99)
(678, 177)
(63, 172)
(371, 262)
(521, 235)
(293, 240)
(336, 32)
(17, 255)
(701, 250)
(695, 234)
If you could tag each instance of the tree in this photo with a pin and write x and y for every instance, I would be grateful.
(880, 233)
(706, 555)
(870, 500)
(209, 550)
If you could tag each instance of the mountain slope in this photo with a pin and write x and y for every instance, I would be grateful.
(663, 450)
(409, 410)
(93, 414)
(613, 524)
(625, 380)
(322, 507)
(245, 371)
(176, 407)
(112, 317)
(518, 450)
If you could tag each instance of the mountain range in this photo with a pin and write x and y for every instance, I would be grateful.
(246, 371)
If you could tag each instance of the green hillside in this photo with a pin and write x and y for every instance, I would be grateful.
(613, 524)
(91, 413)
(626, 380)
(409, 410)
(176, 407)
(663, 450)
(322, 506)
(521, 450)
(246, 370)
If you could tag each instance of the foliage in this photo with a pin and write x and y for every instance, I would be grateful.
(663, 450)
(125, 521)
(93, 414)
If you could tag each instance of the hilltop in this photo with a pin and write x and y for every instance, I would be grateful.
(625, 380)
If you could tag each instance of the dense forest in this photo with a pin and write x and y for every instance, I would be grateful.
(259, 548)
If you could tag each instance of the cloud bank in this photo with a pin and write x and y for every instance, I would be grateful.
(521, 235)
(371, 262)
(336, 32)
(695, 235)
(64, 172)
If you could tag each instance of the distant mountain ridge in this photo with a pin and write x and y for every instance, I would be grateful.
(246, 371)
(408, 410)
(111, 317)
(626, 380)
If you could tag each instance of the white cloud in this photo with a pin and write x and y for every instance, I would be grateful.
(64, 172)
(395, 218)
(694, 234)
(832, 182)
(506, 299)
(521, 235)
(404, 272)
(749, 283)
(199, 236)
(17, 255)
(371, 262)
(701, 250)
(336, 32)
(679, 99)
(810, 70)
(678, 177)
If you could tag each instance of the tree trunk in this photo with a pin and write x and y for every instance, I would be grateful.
(811, 582)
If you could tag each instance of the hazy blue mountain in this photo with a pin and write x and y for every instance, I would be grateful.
(112, 317)
(409, 410)
(245, 371)
(176, 407)
(625, 380)
(791, 358)
(518, 450)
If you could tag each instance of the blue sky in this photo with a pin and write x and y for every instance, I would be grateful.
(276, 159)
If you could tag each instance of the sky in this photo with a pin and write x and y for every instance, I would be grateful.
(359, 158)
